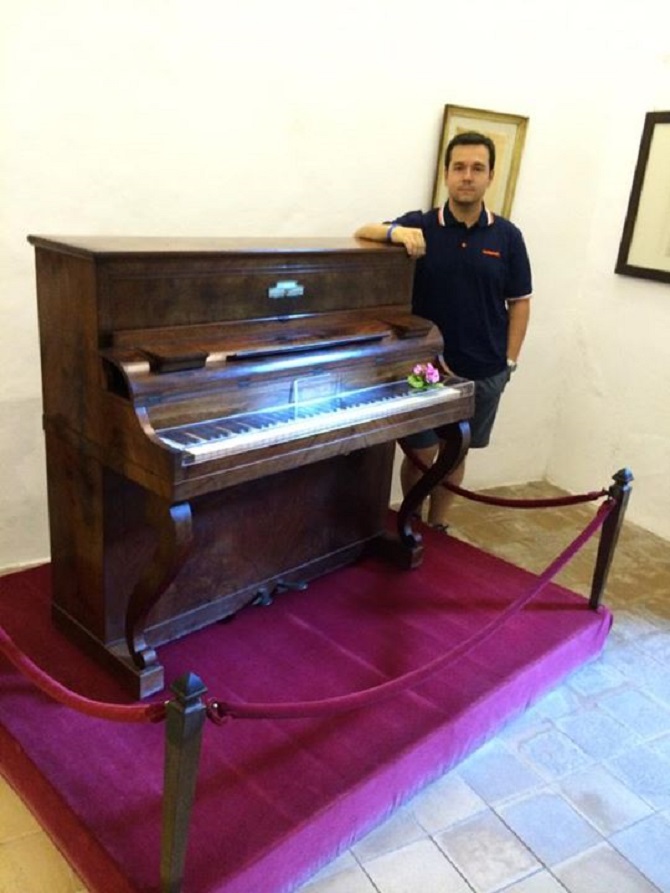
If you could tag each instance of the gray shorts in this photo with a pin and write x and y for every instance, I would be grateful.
(488, 392)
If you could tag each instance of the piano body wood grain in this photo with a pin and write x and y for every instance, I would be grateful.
(145, 339)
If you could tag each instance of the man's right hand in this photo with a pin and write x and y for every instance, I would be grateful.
(441, 364)
(411, 238)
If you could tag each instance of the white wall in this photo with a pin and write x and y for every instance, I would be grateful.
(297, 118)
(615, 407)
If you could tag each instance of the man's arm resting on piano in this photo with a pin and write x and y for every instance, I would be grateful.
(410, 237)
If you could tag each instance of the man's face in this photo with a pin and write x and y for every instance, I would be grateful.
(468, 175)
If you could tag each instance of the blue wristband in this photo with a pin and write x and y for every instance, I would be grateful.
(389, 232)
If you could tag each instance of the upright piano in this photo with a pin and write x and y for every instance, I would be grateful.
(220, 418)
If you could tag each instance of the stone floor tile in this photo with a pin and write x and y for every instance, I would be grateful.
(647, 846)
(16, 820)
(642, 672)
(633, 625)
(645, 772)
(419, 866)
(445, 802)
(596, 677)
(32, 864)
(657, 645)
(560, 702)
(642, 714)
(541, 882)
(487, 853)
(554, 754)
(659, 685)
(602, 870)
(597, 734)
(661, 746)
(530, 722)
(625, 658)
(549, 826)
(399, 830)
(352, 879)
(495, 773)
(604, 800)
(342, 862)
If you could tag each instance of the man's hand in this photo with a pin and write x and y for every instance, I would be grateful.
(411, 238)
(442, 365)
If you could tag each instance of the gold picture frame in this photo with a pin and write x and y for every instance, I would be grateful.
(508, 133)
(644, 250)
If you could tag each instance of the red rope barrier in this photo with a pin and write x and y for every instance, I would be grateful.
(218, 711)
(98, 709)
(553, 502)
(548, 502)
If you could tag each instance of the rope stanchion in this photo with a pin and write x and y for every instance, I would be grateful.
(98, 709)
(183, 716)
(219, 711)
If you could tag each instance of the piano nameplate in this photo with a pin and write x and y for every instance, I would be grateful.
(287, 289)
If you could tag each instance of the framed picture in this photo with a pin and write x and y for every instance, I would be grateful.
(508, 133)
(645, 243)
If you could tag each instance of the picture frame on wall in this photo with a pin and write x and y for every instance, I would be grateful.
(644, 250)
(508, 133)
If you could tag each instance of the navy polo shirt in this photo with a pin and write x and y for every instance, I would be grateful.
(463, 282)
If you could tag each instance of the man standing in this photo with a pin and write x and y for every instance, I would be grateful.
(473, 280)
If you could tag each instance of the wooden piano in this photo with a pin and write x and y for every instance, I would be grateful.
(220, 418)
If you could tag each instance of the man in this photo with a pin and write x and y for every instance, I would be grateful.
(473, 280)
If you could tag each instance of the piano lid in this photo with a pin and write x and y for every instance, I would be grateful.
(113, 246)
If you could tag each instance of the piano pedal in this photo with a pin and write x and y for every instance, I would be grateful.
(285, 586)
(263, 597)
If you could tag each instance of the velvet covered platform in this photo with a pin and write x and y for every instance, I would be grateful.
(278, 799)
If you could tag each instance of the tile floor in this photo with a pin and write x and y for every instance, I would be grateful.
(573, 796)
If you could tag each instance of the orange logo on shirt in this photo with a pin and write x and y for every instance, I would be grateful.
(490, 253)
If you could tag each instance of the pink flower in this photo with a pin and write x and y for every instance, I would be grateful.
(424, 375)
(431, 374)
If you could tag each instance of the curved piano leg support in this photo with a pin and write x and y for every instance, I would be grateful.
(172, 524)
(454, 444)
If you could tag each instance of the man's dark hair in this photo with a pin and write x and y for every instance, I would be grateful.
(471, 138)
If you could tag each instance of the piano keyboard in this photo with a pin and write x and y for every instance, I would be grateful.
(233, 434)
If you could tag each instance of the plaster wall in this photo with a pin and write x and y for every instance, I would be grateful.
(168, 117)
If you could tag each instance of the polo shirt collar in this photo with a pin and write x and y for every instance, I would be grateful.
(446, 218)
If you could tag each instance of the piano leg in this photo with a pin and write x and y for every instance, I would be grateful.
(454, 443)
(173, 524)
